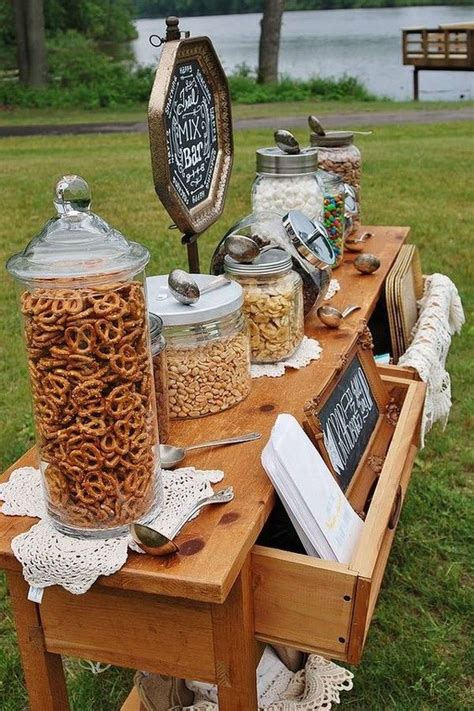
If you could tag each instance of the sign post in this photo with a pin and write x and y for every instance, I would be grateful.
(190, 128)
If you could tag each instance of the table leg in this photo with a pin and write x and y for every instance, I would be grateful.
(235, 647)
(43, 670)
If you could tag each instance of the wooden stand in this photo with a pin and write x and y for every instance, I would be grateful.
(200, 614)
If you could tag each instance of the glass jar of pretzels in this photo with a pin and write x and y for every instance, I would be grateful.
(160, 375)
(88, 347)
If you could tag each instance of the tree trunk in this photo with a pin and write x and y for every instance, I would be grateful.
(19, 13)
(30, 41)
(269, 46)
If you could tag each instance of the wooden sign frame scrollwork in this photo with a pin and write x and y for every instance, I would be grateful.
(372, 457)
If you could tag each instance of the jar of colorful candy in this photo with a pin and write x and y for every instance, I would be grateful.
(333, 218)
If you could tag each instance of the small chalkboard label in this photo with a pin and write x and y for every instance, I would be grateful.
(191, 133)
(348, 419)
(344, 417)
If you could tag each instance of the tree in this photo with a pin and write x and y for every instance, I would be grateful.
(269, 46)
(30, 41)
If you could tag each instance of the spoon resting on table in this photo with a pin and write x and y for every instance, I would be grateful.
(170, 455)
(155, 543)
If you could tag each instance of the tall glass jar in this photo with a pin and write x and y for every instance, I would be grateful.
(338, 154)
(334, 206)
(287, 182)
(273, 304)
(160, 376)
(208, 348)
(88, 345)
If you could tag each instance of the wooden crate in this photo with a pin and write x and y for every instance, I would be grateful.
(326, 607)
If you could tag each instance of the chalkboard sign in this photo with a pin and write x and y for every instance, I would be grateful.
(190, 128)
(191, 133)
(348, 419)
(344, 417)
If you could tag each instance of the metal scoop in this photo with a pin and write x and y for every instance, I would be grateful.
(155, 543)
(286, 142)
(185, 289)
(316, 127)
(332, 317)
(356, 244)
(244, 249)
(170, 456)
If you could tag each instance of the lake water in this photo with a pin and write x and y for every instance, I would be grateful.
(362, 43)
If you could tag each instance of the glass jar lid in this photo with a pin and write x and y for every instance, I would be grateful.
(310, 239)
(210, 307)
(76, 243)
(332, 139)
(156, 326)
(270, 263)
(274, 161)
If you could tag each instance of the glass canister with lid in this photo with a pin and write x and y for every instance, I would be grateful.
(86, 328)
(208, 347)
(334, 211)
(273, 304)
(338, 154)
(160, 376)
(287, 181)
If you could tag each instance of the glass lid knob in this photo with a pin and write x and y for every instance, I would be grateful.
(72, 195)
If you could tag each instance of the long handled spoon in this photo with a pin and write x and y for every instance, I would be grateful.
(170, 456)
(155, 543)
(185, 289)
(332, 317)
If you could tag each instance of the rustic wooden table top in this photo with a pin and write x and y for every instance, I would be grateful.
(215, 545)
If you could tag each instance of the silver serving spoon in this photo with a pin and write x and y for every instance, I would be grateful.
(356, 244)
(170, 456)
(316, 127)
(155, 543)
(286, 142)
(185, 289)
(244, 249)
(332, 317)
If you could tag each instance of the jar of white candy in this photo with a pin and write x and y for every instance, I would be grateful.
(287, 182)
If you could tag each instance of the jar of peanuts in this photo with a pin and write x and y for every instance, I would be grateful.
(160, 375)
(273, 304)
(208, 347)
(338, 154)
(88, 346)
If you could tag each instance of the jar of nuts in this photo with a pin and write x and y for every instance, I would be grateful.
(208, 348)
(87, 339)
(273, 304)
(338, 154)
(287, 181)
(160, 376)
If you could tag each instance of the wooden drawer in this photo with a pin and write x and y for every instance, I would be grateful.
(326, 607)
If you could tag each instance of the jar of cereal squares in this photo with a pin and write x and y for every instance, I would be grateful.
(338, 154)
(273, 304)
(88, 345)
(207, 347)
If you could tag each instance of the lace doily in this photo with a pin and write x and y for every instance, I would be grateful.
(308, 350)
(49, 557)
(333, 288)
(315, 688)
(440, 316)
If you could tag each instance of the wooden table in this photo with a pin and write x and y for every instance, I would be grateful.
(190, 615)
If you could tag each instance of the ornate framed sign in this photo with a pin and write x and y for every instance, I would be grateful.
(190, 128)
(351, 420)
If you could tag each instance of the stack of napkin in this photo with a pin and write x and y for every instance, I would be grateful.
(326, 523)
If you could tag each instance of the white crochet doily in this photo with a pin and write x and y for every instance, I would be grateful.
(333, 288)
(49, 557)
(441, 316)
(315, 688)
(308, 350)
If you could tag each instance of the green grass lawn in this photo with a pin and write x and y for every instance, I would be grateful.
(54, 116)
(419, 653)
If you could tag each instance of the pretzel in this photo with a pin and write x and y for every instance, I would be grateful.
(91, 378)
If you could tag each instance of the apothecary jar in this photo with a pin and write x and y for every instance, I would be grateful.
(88, 346)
